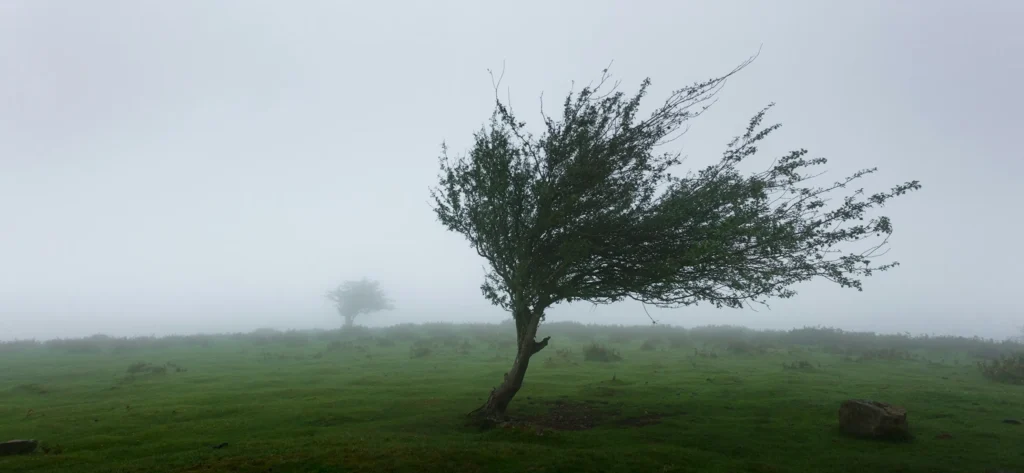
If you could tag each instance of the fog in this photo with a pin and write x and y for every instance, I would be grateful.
(193, 166)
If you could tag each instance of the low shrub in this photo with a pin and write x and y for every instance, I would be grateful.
(78, 346)
(146, 368)
(802, 365)
(419, 352)
(595, 352)
(745, 347)
(1005, 369)
(702, 353)
(650, 344)
(886, 354)
(679, 340)
(18, 345)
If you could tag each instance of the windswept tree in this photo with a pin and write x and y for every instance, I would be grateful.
(355, 298)
(588, 210)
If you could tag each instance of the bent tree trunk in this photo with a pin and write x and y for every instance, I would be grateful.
(501, 396)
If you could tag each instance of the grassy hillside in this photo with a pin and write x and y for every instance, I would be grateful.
(717, 399)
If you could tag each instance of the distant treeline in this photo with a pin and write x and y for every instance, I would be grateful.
(828, 339)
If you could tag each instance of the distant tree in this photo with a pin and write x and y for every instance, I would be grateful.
(589, 211)
(354, 298)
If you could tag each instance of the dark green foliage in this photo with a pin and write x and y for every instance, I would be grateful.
(1005, 369)
(336, 346)
(621, 337)
(886, 354)
(589, 210)
(746, 347)
(291, 338)
(146, 368)
(403, 332)
(703, 353)
(79, 346)
(420, 351)
(18, 346)
(595, 352)
(801, 365)
(650, 344)
(679, 339)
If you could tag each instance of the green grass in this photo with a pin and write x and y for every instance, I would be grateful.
(282, 408)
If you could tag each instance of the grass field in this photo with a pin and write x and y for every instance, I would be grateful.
(724, 400)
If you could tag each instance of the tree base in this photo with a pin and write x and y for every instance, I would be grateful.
(487, 416)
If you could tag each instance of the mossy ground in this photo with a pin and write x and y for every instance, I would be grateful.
(366, 406)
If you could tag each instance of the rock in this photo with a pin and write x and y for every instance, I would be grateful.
(863, 418)
(17, 447)
(1011, 421)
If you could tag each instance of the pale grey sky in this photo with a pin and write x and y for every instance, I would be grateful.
(207, 166)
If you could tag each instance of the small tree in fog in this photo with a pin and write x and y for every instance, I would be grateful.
(590, 211)
(354, 298)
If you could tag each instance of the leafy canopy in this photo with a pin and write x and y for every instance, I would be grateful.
(364, 296)
(589, 210)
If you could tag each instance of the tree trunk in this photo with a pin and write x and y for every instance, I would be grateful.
(350, 320)
(501, 396)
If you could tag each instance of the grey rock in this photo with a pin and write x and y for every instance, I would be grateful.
(873, 419)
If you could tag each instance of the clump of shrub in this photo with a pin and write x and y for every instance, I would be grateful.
(650, 344)
(678, 340)
(18, 345)
(142, 367)
(51, 449)
(620, 337)
(446, 340)
(801, 365)
(291, 338)
(745, 347)
(596, 352)
(886, 354)
(268, 356)
(419, 351)
(79, 346)
(1005, 369)
(402, 332)
(343, 345)
(702, 353)
(560, 356)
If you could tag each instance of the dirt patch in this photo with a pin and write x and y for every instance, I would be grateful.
(563, 415)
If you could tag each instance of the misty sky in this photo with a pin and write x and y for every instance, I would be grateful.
(211, 166)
